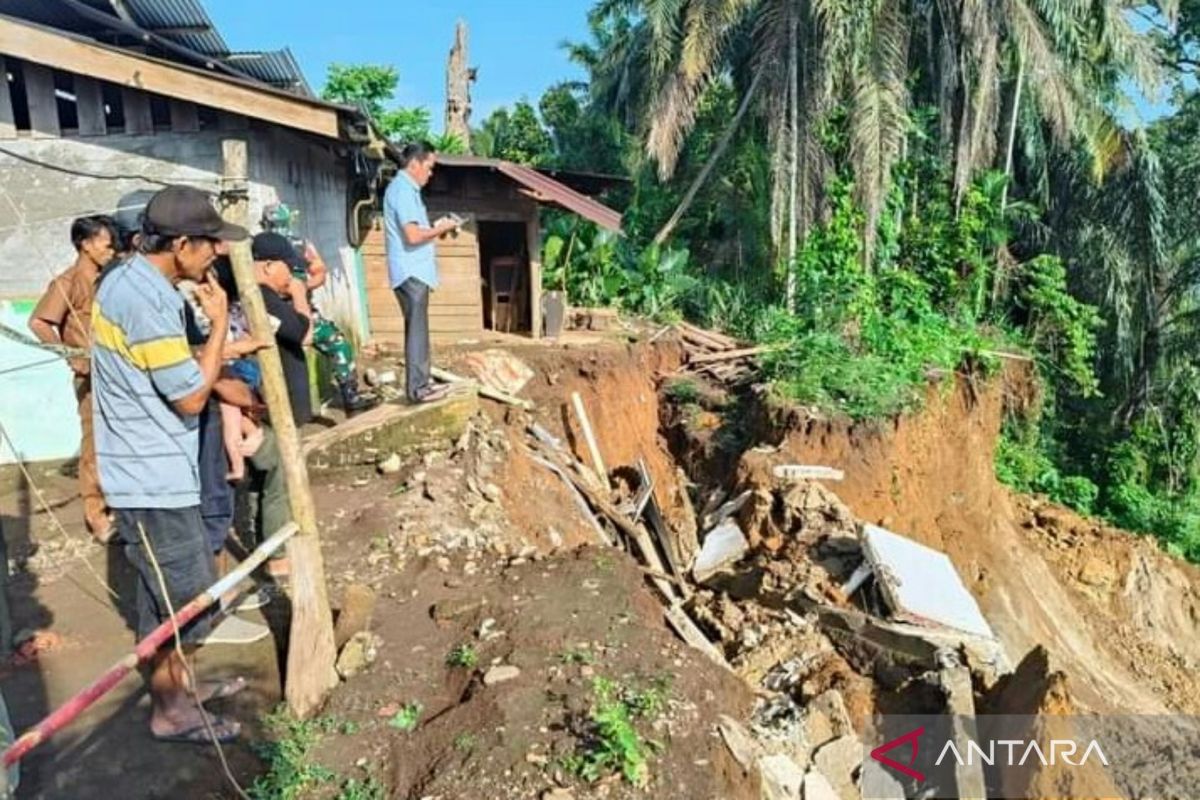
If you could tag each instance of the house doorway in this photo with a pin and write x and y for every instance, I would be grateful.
(504, 269)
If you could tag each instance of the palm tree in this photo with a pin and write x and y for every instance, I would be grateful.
(876, 59)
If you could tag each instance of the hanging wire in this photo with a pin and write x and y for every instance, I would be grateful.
(192, 685)
(46, 509)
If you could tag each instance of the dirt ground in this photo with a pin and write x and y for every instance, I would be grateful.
(473, 543)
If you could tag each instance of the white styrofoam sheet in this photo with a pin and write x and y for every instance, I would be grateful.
(921, 584)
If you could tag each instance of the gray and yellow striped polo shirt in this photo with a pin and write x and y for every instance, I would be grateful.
(146, 451)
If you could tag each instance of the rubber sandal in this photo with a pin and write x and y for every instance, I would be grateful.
(235, 630)
(225, 730)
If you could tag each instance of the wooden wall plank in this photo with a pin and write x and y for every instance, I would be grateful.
(185, 117)
(139, 120)
(8, 124)
(89, 106)
(43, 105)
(232, 122)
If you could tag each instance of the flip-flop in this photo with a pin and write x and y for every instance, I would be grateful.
(222, 689)
(226, 732)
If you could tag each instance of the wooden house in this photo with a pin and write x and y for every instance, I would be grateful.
(490, 270)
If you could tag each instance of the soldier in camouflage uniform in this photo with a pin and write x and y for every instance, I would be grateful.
(328, 339)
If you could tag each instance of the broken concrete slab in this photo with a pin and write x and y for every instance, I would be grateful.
(960, 702)
(807, 472)
(921, 585)
(782, 778)
(826, 719)
(727, 510)
(746, 751)
(723, 547)
(817, 787)
(391, 427)
(840, 761)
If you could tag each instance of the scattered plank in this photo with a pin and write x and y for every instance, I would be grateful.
(719, 340)
(682, 624)
(728, 355)
(601, 535)
(484, 391)
(590, 437)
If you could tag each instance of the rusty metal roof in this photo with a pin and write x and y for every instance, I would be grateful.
(542, 188)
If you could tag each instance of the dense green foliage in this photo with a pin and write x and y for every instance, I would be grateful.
(965, 183)
(371, 87)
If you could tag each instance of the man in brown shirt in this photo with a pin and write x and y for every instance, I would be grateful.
(64, 316)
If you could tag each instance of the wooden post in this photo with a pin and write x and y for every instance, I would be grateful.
(589, 437)
(311, 654)
(533, 241)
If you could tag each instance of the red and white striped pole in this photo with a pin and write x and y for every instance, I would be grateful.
(68, 711)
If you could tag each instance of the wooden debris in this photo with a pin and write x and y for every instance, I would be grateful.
(728, 355)
(590, 437)
(682, 624)
(601, 534)
(484, 391)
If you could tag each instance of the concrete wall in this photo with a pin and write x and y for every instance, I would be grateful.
(55, 180)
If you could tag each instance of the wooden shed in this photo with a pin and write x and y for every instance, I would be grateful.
(490, 270)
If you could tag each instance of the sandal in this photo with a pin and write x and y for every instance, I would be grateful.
(220, 690)
(225, 732)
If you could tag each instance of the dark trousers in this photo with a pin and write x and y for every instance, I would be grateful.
(414, 302)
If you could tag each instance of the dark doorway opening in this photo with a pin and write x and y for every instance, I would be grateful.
(504, 268)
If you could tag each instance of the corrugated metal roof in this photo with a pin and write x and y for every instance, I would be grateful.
(183, 22)
(543, 188)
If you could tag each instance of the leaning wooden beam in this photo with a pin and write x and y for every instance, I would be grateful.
(311, 654)
(590, 437)
(601, 535)
(147, 647)
(682, 624)
(719, 340)
(729, 355)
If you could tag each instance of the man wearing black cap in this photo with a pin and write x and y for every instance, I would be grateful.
(286, 299)
(148, 390)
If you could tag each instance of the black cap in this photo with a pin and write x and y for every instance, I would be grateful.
(130, 210)
(186, 211)
(271, 246)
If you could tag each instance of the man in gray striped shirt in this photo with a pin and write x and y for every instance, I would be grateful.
(148, 391)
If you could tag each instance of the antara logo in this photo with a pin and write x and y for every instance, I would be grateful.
(1061, 751)
(912, 738)
(1013, 753)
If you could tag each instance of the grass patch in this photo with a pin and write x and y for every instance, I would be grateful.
(463, 657)
(291, 772)
(407, 718)
(465, 743)
(354, 789)
(612, 743)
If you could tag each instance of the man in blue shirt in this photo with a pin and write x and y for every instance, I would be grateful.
(148, 391)
(412, 263)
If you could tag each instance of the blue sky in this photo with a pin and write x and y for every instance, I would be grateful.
(514, 43)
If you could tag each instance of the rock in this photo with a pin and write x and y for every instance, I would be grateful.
(723, 547)
(390, 465)
(556, 539)
(742, 746)
(452, 610)
(826, 719)
(501, 674)
(816, 787)
(782, 778)
(358, 654)
(557, 794)
(838, 761)
(1097, 572)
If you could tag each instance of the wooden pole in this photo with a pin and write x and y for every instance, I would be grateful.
(590, 437)
(311, 654)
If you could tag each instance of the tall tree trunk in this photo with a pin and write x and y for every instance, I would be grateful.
(1012, 130)
(722, 145)
(794, 172)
